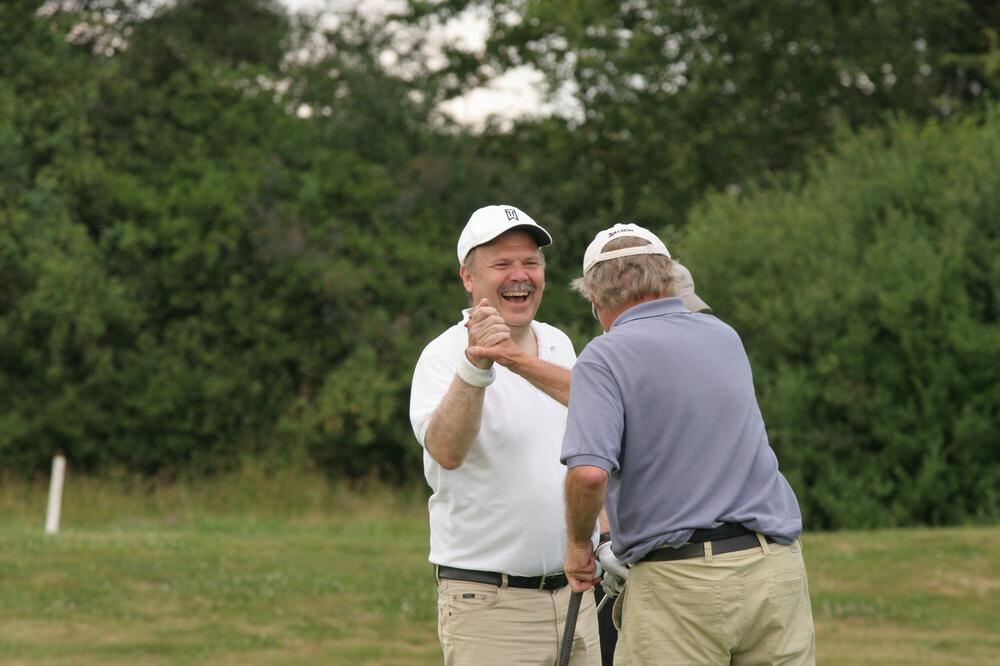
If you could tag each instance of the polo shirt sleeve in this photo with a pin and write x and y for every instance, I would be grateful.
(431, 379)
(596, 422)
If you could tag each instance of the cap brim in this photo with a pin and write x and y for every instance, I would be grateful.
(540, 235)
(695, 304)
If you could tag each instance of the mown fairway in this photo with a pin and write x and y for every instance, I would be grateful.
(257, 570)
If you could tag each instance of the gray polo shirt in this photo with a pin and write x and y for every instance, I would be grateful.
(665, 403)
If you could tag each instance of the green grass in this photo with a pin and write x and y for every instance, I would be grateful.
(906, 596)
(287, 569)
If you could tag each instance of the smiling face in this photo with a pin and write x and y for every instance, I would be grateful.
(510, 273)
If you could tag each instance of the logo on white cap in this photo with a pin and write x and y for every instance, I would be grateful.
(511, 213)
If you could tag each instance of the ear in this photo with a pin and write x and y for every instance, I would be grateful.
(466, 276)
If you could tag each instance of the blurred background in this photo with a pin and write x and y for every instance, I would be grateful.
(227, 229)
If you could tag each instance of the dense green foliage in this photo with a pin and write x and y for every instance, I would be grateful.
(226, 233)
(675, 98)
(869, 299)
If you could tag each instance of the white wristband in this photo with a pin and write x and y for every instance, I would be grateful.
(474, 376)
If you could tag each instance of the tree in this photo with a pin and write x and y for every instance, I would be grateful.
(676, 99)
(868, 296)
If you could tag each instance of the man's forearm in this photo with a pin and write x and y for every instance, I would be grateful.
(551, 378)
(455, 424)
(586, 487)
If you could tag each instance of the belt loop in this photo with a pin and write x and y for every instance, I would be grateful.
(541, 583)
(763, 543)
(503, 580)
(708, 551)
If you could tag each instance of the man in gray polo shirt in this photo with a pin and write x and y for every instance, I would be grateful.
(664, 428)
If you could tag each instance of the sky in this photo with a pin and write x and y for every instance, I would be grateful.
(512, 95)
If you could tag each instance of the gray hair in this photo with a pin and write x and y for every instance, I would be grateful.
(616, 282)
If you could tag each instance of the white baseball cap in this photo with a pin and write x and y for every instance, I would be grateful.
(490, 221)
(683, 282)
(684, 287)
(595, 254)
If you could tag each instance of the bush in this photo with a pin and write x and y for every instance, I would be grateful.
(867, 296)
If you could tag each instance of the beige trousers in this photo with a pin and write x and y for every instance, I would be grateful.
(747, 607)
(483, 625)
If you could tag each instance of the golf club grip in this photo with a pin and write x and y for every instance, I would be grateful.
(567, 642)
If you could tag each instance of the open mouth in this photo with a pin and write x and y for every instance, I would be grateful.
(517, 293)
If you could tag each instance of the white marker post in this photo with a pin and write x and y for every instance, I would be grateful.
(55, 494)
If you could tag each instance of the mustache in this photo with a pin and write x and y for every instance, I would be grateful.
(518, 286)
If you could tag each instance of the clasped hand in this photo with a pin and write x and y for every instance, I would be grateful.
(489, 337)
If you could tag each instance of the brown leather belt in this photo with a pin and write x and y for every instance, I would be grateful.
(692, 550)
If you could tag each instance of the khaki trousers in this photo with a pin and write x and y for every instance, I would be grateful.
(483, 625)
(746, 607)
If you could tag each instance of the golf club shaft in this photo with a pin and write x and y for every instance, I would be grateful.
(567, 642)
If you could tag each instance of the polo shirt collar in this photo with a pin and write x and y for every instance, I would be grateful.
(657, 308)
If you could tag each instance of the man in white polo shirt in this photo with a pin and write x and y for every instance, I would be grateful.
(488, 405)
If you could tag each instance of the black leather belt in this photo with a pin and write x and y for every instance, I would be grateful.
(719, 546)
(548, 582)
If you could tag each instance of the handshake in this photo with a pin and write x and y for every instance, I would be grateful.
(615, 572)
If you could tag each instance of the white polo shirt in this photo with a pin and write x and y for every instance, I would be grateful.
(502, 509)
